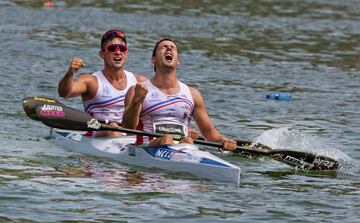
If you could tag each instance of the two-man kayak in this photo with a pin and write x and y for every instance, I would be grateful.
(173, 158)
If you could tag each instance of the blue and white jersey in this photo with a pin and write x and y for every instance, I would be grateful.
(108, 103)
(165, 113)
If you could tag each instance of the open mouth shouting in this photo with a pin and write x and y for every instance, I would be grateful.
(117, 59)
(169, 56)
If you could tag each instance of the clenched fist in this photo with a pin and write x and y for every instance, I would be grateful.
(75, 64)
(140, 92)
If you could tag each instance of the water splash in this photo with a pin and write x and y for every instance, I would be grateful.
(287, 138)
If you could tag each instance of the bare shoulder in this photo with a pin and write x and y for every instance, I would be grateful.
(140, 77)
(90, 81)
(86, 77)
(195, 93)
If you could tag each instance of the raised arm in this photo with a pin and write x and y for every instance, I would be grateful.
(133, 105)
(69, 87)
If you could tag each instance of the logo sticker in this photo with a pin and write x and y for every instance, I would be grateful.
(170, 128)
(52, 111)
(164, 154)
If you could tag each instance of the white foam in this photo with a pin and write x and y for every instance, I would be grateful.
(287, 138)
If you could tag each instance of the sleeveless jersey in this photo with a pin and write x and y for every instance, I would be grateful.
(163, 113)
(108, 103)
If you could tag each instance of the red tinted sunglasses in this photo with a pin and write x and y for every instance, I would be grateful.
(115, 47)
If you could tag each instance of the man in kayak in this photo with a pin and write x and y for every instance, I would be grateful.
(103, 92)
(163, 104)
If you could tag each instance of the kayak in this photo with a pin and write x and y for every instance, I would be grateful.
(186, 158)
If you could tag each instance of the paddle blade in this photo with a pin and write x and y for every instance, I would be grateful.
(55, 114)
(297, 159)
(304, 160)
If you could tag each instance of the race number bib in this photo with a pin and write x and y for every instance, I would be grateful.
(170, 128)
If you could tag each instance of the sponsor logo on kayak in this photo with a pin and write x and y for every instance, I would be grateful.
(164, 154)
(52, 111)
(44, 99)
(188, 157)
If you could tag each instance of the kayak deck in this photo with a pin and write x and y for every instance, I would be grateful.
(174, 158)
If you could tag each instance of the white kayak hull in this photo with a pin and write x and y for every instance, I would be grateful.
(174, 158)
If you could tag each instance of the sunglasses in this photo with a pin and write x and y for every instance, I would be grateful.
(115, 47)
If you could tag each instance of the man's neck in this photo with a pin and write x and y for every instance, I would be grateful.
(116, 78)
(114, 74)
(166, 81)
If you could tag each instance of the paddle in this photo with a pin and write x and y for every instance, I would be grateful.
(56, 115)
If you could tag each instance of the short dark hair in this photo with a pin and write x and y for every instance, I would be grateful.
(157, 45)
(160, 41)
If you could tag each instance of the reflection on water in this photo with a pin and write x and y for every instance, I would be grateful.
(117, 176)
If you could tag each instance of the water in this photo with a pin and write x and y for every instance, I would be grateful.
(234, 53)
